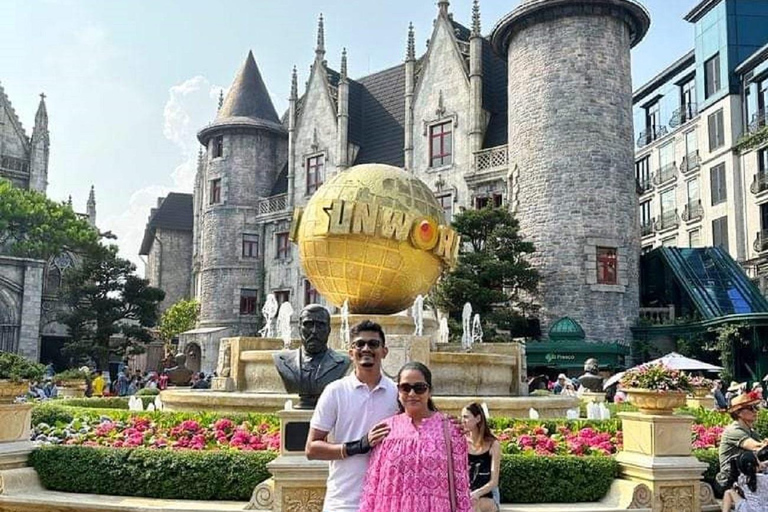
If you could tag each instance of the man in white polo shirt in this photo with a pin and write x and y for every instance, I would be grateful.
(346, 421)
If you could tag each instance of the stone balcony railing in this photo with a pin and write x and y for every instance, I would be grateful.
(759, 183)
(667, 220)
(665, 174)
(693, 211)
(758, 121)
(658, 316)
(274, 204)
(491, 159)
(650, 134)
(690, 162)
(761, 241)
(683, 115)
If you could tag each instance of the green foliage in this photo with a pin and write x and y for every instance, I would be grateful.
(17, 368)
(492, 273)
(728, 336)
(33, 226)
(752, 140)
(709, 457)
(148, 392)
(707, 417)
(180, 317)
(657, 377)
(612, 425)
(104, 298)
(566, 479)
(179, 474)
(70, 374)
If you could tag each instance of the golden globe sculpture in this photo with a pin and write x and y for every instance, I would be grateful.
(373, 235)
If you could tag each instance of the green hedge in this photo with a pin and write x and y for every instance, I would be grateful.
(562, 479)
(181, 474)
(711, 458)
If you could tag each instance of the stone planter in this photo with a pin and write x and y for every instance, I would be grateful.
(15, 426)
(72, 388)
(650, 401)
(10, 390)
(700, 392)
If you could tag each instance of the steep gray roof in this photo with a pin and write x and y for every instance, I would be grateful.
(248, 96)
(174, 213)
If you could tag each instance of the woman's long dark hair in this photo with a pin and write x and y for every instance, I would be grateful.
(420, 367)
(477, 410)
(748, 467)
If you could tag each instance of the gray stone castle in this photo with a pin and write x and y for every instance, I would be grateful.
(536, 117)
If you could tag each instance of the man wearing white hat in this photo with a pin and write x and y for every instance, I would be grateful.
(560, 384)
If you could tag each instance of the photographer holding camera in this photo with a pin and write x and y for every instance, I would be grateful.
(738, 438)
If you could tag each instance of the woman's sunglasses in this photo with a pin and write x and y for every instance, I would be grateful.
(419, 388)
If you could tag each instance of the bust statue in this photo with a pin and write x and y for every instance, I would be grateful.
(591, 380)
(180, 375)
(309, 369)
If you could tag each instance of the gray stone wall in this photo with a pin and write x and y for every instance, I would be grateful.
(21, 291)
(13, 144)
(168, 265)
(570, 133)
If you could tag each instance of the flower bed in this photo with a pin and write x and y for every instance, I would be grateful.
(539, 440)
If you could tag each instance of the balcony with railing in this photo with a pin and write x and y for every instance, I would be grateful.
(693, 211)
(690, 162)
(274, 204)
(667, 220)
(646, 229)
(657, 316)
(491, 159)
(758, 121)
(759, 183)
(665, 174)
(650, 134)
(644, 185)
(684, 114)
(761, 241)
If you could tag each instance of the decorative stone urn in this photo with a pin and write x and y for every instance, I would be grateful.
(15, 425)
(649, 401)
(9, 390)
(700, 391)
(72, 388)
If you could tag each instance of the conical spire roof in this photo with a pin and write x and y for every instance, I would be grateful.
(248, 96)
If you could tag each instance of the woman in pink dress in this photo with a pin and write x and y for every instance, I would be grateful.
(409, 470)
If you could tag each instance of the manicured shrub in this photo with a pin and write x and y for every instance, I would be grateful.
(177, 474)
(559, 479)
(148, 392)
(709, 457)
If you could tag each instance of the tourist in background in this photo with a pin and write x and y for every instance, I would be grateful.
(484, 457)
(751, 492)
(721, 403)
(569, 390)
(560, 384)
(422, 465)
(98, 384)
(738, 437)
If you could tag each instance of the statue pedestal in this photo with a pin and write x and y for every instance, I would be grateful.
(589, 397)
(297, 483)
(707, 402)
(223, 384)
(657, 455)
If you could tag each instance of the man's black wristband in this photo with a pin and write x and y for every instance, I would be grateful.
(357, 447)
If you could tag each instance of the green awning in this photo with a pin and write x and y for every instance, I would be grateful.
(572, 354)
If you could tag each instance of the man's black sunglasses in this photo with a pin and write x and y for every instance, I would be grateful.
(419, 388)
(372, 344)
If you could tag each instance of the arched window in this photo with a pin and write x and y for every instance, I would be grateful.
(53, 280)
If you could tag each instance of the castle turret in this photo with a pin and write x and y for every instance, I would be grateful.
(39, 149)
(90, 207)
(410, 83)
(577, 198)
(246, 146)
(342, 129)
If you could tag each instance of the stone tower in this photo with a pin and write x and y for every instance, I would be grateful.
(570, 138)
(39, 150)
(245, 148)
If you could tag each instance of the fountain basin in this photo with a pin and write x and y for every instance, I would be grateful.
(471, 374)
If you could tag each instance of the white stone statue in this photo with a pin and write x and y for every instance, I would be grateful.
(445, 332)
(344, 327)
(477, 329)
(284, 323)
(269, 311)
(417, 311)
(135, 404)
(158, 403)
(466, 327)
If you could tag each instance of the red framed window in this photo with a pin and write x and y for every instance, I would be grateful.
(248, 301)
(215, 195)
(282, 296)
(440, 144)
(607, 265)
(283, 246)
(315, 173)
(311, 296)
(250, 246)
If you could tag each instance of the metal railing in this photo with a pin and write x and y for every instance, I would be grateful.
(693, 211)
(759, 183)
(658, 316)
(761, 241)
(759, 120)
(643, 186)
(667, 220)
(273, 204)
(14, 164)
(690, 162)
(665, 174)
(650, 134)
(491, 158)
(684, 114)
(9, 338)
(646, 229)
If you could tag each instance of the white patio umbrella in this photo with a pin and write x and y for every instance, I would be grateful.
(672, 360)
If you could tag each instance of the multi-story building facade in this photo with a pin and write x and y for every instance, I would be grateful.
(446, 116)
(697, 184)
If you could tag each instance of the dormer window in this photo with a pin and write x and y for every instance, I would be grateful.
(218, 146)
(441, 144)
(315, 173)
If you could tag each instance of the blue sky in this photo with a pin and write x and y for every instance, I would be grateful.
(129, 83)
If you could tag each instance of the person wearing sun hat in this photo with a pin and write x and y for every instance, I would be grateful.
(738, 437)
